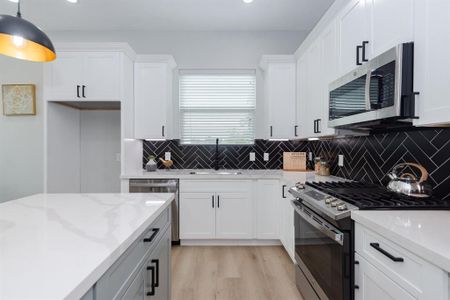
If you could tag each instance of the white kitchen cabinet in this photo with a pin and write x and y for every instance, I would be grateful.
(431, 63)
(153, 101)
(216, 209)
(372, 284)
(286, 220)
(267, 202)
(232, 215)
(368, 28)
(353, 24)
(197, 215)
(280, 96)
(386, 270)
(83, 76)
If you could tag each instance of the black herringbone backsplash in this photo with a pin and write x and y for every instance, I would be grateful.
(367, 159)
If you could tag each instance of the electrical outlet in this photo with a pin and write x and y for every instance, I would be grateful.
(340, 160)
(167, 156)
(266, 156)
(310, 155)
(118, 157)
(252, 156)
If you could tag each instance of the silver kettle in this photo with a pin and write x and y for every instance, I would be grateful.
(408, 184)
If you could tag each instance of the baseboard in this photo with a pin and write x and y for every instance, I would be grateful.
(230, 243)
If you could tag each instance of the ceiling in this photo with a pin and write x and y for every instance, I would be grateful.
(171, 15)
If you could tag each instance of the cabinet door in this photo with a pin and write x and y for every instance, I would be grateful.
(267, 209)
(287, 215)
(314, 101)
(101, 76)
(197, 215)
(374, 285)
(392, 23)
(160, 262)
(63, 76)
(281, 95)
(234, 215)
(328, 73)
(303, 120)
(431, 62)
(136, 290)
(353, 27)
(151, 100)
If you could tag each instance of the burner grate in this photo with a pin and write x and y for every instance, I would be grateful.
(370, 196)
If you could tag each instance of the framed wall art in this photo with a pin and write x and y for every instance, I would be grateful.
(19, 99)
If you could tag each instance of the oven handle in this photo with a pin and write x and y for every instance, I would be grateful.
(367, 90)
(319, 223)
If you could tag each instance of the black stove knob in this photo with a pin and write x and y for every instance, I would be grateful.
(329, 199)
(334, 203)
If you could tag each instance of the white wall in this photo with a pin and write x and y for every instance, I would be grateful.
(204, 50)
(21, 137)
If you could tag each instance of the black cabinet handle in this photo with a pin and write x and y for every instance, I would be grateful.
(271, 131)
(163, 130)
(364, 44)
(385, 253)
(218, 201)
(152, 285)
(283, 193)
(295, 130)
(78, 91)
(156, 262)
(315, 126)
(356, 287)
(358, 49)
(84, 91)
(152, 237)
(319, 121)
(212, 201)
(356, 262)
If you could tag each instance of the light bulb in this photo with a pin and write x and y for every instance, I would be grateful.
(18, 40)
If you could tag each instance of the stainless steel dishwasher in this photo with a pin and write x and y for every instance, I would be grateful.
(161, 186)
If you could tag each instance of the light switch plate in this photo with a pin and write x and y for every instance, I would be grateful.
(266, 156)
(252, 156)
(167, 156)
(340, 160)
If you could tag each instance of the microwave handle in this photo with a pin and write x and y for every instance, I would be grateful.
(317, 222)
(367, 91)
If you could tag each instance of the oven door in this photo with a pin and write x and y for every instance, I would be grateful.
(320, 254)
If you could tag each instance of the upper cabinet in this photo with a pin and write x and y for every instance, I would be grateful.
(153, 103)
(84, 76)
(368, 28)
(280, 96)
(431, 45)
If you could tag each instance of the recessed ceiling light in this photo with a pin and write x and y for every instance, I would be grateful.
(247, 1)
(72, 1)
(15, 1)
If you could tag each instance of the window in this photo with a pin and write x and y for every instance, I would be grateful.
(217, 105)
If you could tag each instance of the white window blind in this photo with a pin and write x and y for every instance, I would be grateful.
(217, 105)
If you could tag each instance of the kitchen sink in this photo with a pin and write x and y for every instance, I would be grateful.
(215, 173)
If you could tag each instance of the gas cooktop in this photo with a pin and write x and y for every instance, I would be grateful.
(338, 198)
(370, 196)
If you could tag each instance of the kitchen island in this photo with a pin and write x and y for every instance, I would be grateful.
(69, 246)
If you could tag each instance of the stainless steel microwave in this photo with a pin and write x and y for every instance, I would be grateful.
(377, 93)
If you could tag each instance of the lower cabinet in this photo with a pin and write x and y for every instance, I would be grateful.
(386, 270)
(152, 281)
(143, 271)
(286, 220)
(268, 194)
(216, 209)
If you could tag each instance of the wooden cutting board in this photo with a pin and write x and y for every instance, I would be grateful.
(294, 161)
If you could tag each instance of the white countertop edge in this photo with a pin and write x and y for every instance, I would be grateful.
(418, 249)
(84, 286)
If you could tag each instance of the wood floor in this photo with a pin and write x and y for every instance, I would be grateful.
(232, 273)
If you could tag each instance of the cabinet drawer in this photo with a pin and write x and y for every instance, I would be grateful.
(412, 273)
(215, 186)
(119, 274)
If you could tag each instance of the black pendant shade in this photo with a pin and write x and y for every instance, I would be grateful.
(21, 39)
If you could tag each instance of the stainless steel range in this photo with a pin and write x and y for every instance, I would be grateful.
(324, 238)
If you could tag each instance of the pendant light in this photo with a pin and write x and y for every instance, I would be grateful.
(23, 40)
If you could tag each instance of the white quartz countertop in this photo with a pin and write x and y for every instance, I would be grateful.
(289, 177)
(424, 233)
(56, 246)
